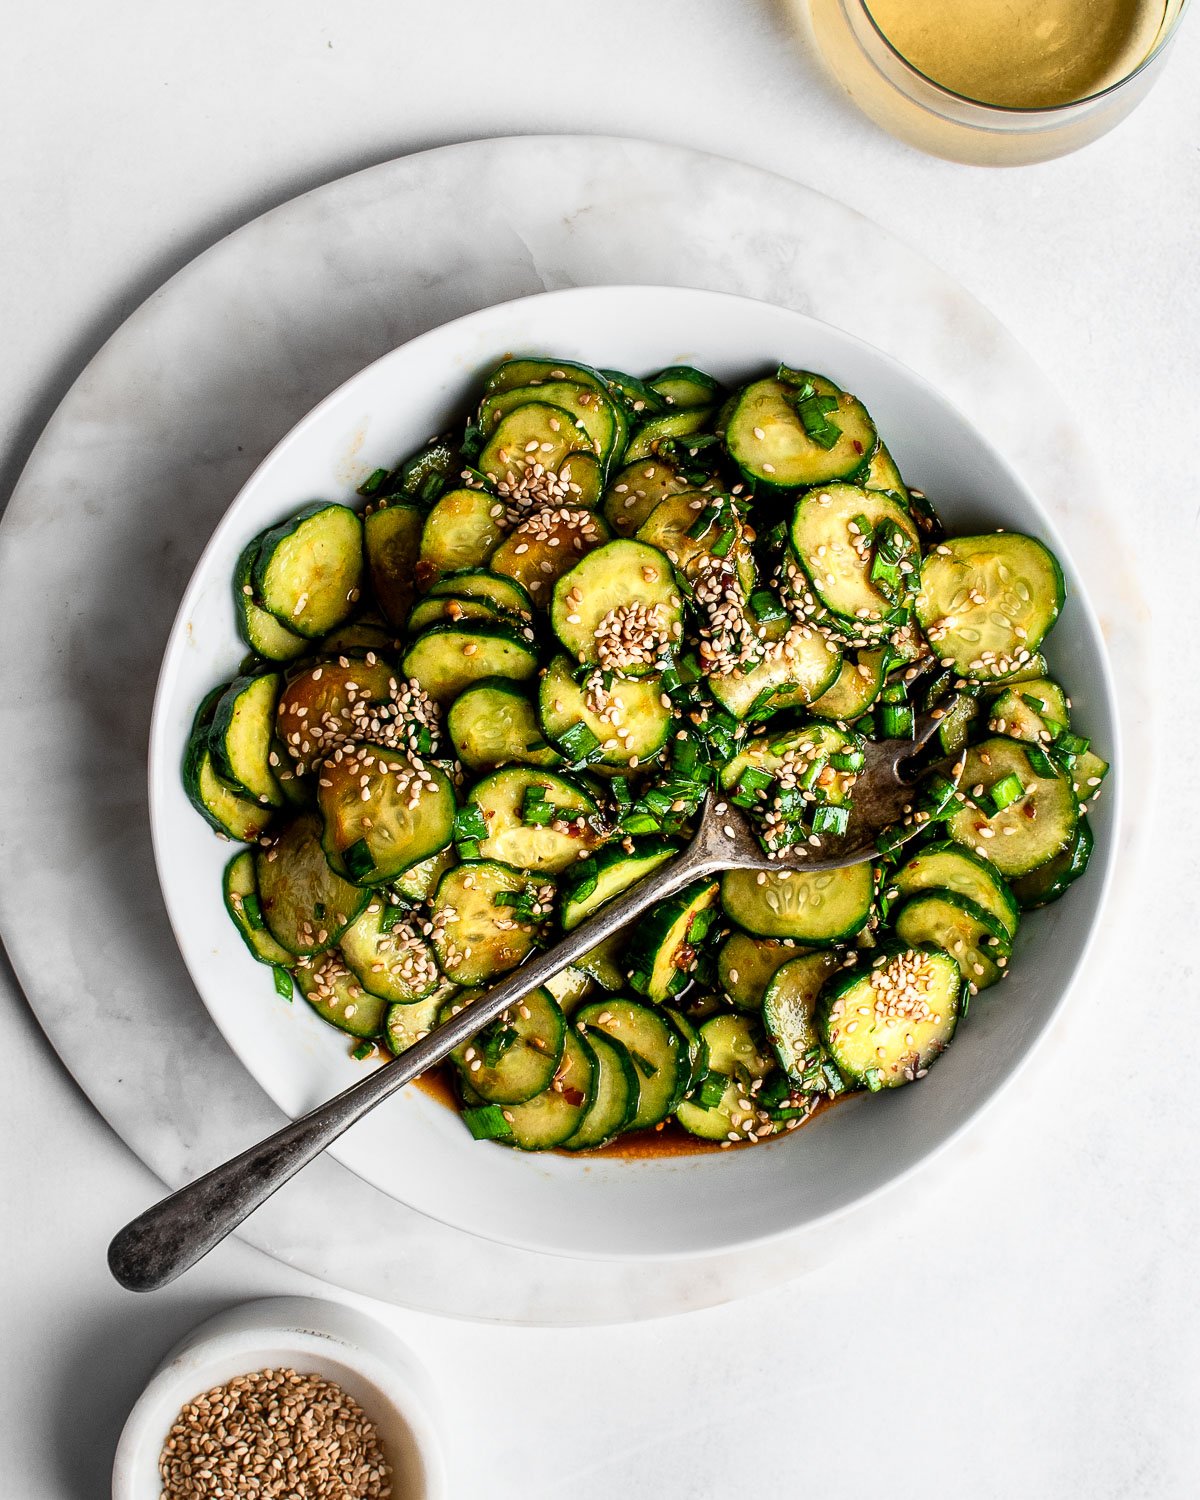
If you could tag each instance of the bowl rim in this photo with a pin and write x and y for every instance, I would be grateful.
(159, 750)
(310, 1329)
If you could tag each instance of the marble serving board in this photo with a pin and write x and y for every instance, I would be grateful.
(142, 458)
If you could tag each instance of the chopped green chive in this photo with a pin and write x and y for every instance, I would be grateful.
(358, 859)
(284, 984)
(486, 1122)
(469, 823)
(1003, 793)
(252, 911)
(372, 482)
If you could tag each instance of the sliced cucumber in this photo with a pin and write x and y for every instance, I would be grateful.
(1086, 776)
(384, 948)
(338, 997)
(987, 602)
(392, 542)
(788, 1007)
(419, 881)
(522, 371)
(645, 443)
(261, 631)
(592, 409)
(746, 965)
(976, 940)
(330, 702)
(552, 1117)
(1051, 880)
(448, 659)
(886, 1027)
(486, 918)
(684, 387)
(308, 570)
(448, 609)
(382, 812)
(405, 1024)
(517, 1055)
(882, 474)
(427, 473)
(232, 815)
(570, 987)
(855, 688)
(694, 531)
(663, 947)
(533, 436)
(536, 820)
(362, 633)
(240, 889)
(493, 724)
(640, 401)
(659, 1054)
(697, 1047)
(831, 536)
(605, 963)
(616, 1098)
(593, 881)
(792, 754)
(305, 904)
(794, 670)
(1030, 830)
(819, 908)
(636, 490)
(628, 717)
(768, 439)
(546, 546)
(462, 531)
(950, 867)
(737, 1053)
(504, 593)
(619, 609)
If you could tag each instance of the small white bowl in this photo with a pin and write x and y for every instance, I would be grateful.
(305, 1334)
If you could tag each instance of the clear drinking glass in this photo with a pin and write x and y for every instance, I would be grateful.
(910, 105)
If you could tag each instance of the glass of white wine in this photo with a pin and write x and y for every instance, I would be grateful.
(996, 82)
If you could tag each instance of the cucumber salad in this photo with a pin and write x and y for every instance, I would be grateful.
(493, 695)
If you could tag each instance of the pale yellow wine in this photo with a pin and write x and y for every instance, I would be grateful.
(1025, 54)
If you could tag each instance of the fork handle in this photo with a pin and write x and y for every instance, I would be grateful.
(174, 1234)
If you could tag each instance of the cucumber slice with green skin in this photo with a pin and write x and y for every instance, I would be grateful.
(855, 688)
(697, 1047)
(1046, 884)
(774, 754)
(493, 724)
(392, 543)
(641, 401)
(240, 888)
(462, 531)
(955, 727)
(476, 935)
(887, 1026)
(1087, 776)
(593, 881)
(746, 965)
(663, 946)
(543, 848)
(544, 547)
(319, 705)
(382, 812)
(605, 963)
(507, 595)
(684, 387)
(950, 867)
(645, 441)
(636, 490)
(1034, 669)
(386, 952)
(838, 559)
(448, 659)
(593, 410)
(308, 570)
(337, 996)
(241, 737)
(535, 372)
(785, 456)
(616, 1098)
(449, 609)
(1043, 697)
(619, 609)
(1012, 712)
(628, 718)
(424, 476)
(658, 1052)
(1028, 832)
(552, 1117)
(820, 908)
(417, 882)
(669, 527)
(405, 1024)
(297, 791)
(882, 474)
(261, 631)
(986, 603)
(977, 942)
(517, 1055)
(788, 1008)
(795, 670)
(360, 635)
(233, 816)
(570, 987)
(535, 434)
(737, 1051)
(306, 905)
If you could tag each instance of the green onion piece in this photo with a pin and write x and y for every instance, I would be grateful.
(424, 741)
(765, 608)
(1039, 762)
(469, 823)
(358, 859)
(495, 1042)
(831, 820)
(486, 1122)
(873, 1078)
(284, 984)
(640, 822)
(702, 523)
(1072, 744)
(363, 1051)
(252, 911)
(578, 743)
(469, 849)
(723, 543)
(391, 916)
(535, 810)
(811, 774)
(621, 793)
(1004, 793)
(847, 760)
(834, 1082)
(701, 925)
(889, 841)
(584, 876)
(896, 721)
(372, 482)
(937, 797)
(814, 411)
(710, 1090)
(1034, 703)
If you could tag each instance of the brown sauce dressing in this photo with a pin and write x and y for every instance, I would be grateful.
(669, 1139)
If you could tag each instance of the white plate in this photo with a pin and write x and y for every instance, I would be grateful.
(413, 1148)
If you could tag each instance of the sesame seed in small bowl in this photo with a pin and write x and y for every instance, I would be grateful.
(289, 1396)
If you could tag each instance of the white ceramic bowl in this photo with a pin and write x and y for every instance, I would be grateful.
(300, 1333)
(414, 1148)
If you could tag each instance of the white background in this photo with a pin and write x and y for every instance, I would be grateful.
(1046, 1340)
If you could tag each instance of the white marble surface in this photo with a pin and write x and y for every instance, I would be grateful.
(1044, 1275)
